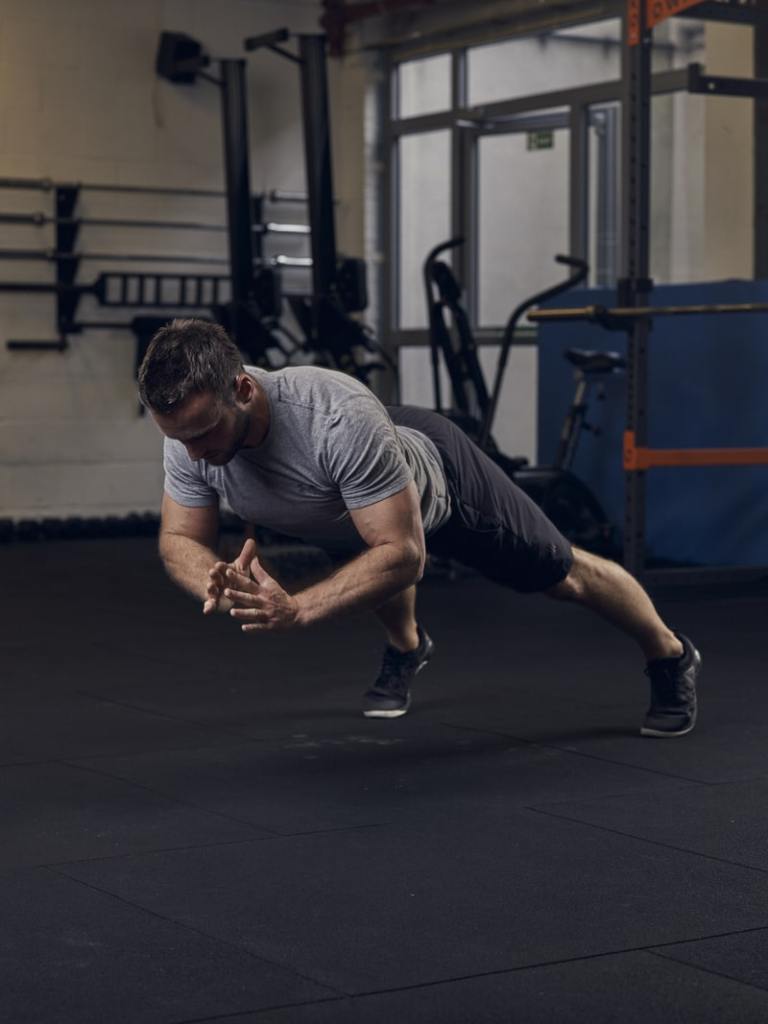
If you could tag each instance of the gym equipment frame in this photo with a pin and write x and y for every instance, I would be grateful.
(338, 286)
(633, 312)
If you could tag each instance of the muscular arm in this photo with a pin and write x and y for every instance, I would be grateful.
(188, 537)
(393, 561)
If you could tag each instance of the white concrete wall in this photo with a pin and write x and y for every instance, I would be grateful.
(703, 195)
(80, 101)
(729, 160)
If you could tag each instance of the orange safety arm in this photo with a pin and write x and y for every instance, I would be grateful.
(650, 458)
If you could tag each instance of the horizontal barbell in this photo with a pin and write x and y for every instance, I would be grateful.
(597, 314)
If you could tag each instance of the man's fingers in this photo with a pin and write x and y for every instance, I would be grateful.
(247, 553)
(252, 615)
(258, 572)
(209, 606)
(239, 579)
(241, 597)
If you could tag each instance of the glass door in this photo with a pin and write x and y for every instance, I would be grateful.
(523, 211)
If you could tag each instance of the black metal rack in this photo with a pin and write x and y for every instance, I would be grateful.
(148, 290)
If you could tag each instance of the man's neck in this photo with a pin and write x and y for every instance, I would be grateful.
(260, 417)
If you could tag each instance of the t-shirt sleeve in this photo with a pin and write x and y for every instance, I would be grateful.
(363, 454)
(183, 480)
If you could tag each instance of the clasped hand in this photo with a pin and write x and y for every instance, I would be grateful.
(247, 591)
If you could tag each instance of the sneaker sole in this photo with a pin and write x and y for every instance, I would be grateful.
(390, 713)
(394, 713)
(660, 734)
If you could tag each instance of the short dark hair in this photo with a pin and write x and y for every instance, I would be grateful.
(186, 357)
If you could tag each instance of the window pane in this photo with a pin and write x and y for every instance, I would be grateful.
(514, 429)
(424, 86)
(545, 63)
(523, 220)
(425, 215)
(572, 57)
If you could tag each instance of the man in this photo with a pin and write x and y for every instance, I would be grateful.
(312, 453)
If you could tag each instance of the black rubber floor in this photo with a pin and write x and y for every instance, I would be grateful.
(200, 826)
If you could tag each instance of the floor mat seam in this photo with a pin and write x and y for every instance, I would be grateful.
(649, 842)
(196, 931)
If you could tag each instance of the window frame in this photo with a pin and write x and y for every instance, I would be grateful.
(466, 125)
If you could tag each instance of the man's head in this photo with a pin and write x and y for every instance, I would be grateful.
(193, 382)
(186, 357)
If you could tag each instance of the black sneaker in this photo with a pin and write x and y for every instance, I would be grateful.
(673, 692)
(390, 697)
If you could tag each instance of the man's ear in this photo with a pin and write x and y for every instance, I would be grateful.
(243, 388)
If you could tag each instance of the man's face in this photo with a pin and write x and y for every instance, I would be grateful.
(209, 428)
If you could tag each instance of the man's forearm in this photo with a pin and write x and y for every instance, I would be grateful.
(364, 583)
(187, 562)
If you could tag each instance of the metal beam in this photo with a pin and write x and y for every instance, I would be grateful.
(317, 156)
(605, 92)
(635, 286)
(745, 12)
(484, 21)
(720, 85)
(237, 170)
(761, 158)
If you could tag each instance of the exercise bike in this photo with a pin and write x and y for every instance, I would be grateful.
(562, 496)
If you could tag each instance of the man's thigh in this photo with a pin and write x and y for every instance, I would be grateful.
(494, 527)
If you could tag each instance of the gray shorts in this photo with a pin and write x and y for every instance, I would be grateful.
(494, 527)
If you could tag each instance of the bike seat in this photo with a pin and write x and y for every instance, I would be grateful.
(595, 362)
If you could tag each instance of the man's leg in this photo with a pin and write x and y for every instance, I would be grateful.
(407, 652)
(674, 663)
(398, 617)
(609, 590)
(496, 529)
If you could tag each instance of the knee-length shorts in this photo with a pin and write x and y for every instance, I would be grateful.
(494, 526)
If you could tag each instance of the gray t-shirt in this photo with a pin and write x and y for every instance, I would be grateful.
(331, 447)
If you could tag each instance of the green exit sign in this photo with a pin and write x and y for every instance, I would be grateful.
(541, 140)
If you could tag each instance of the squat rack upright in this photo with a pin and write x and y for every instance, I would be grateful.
(634, 313)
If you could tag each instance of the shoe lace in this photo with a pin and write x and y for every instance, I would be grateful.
(668, 683)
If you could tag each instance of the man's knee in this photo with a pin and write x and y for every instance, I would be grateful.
(574, 586)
